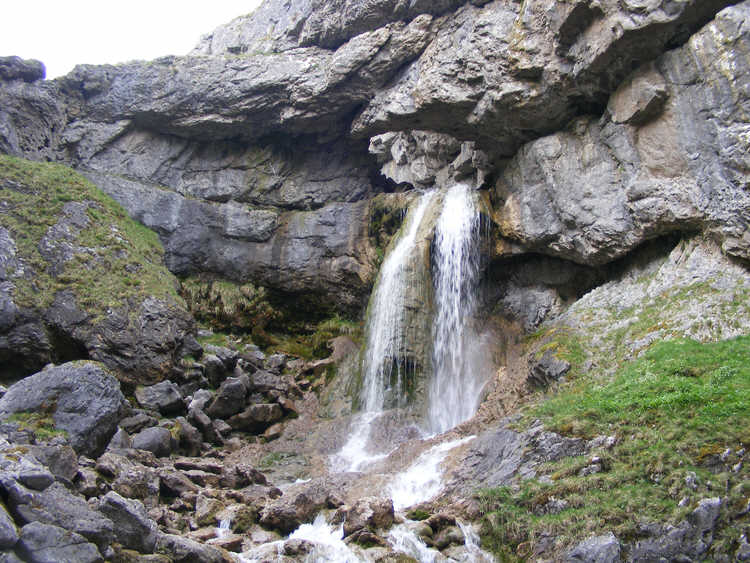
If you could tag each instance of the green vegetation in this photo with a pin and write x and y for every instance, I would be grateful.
(386, 216)
(38, 422)
(226, 305)
(674, 411)
(113, 257)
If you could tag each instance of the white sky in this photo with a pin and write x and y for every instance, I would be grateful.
(63, 33)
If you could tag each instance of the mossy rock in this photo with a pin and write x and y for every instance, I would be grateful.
(81, 279)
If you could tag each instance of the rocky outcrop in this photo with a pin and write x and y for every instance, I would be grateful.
(82, 399)
(86, 282)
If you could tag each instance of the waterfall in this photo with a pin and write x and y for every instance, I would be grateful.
(384, 367)
(456, 382)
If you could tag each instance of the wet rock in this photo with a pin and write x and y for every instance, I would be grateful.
(206, 509)
(371, 513)
(604, 549)
(163, 397)
(45, 543)
(82, 398)
(57, 507)
(452, 535)
(132, 526)
(156, 440)
(229, 399)
(230, 542)
(366, 539)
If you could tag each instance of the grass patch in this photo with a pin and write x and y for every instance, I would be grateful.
(114, 258)
(40, 423)
(674, 411)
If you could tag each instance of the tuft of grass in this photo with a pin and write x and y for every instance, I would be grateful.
(676, 410)
(40, 423)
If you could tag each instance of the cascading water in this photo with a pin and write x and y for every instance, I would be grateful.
(384, 367)
(457, 382)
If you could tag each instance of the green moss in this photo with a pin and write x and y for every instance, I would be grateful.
(674, 410)
(116, 259)
(40, 423)
(417, 514)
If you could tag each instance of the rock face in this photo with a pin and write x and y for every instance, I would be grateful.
(82, 398)
(220, 151)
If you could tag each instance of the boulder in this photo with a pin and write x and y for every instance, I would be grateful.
(120, 441)
(61, 460)
(241, 475)
(132, 526)
(82, 398)
(189, 439)
(8, 530)
(156, 440)
(45, 543)
(184, 550)
(256, 418)
(604, 549)
(229, 398)
(163, 397)
(58, 507)
(369, 513)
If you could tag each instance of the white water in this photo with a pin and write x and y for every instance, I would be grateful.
(454, 389)
(385, 325)
(422, 481)
(356, 454)
(456, 383)
(385, 335)
(224, 528)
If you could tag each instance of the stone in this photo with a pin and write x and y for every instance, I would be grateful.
(546, 370)
(8, 530)
(163, 397)
(273, 432)
(156, 440)
(16, 68)
(184, 550)
(137, 422)
(229, 399)
(640, 98)
(369, 512)
(132, 526)
(58, 507)
(257, 417)
(83, 399)
(604, 548)
(189, 439)
(175, 483)
(45, 543)
(227, 356)
(61, 460)
(120, 441)
(241, 475)
(206, 509)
